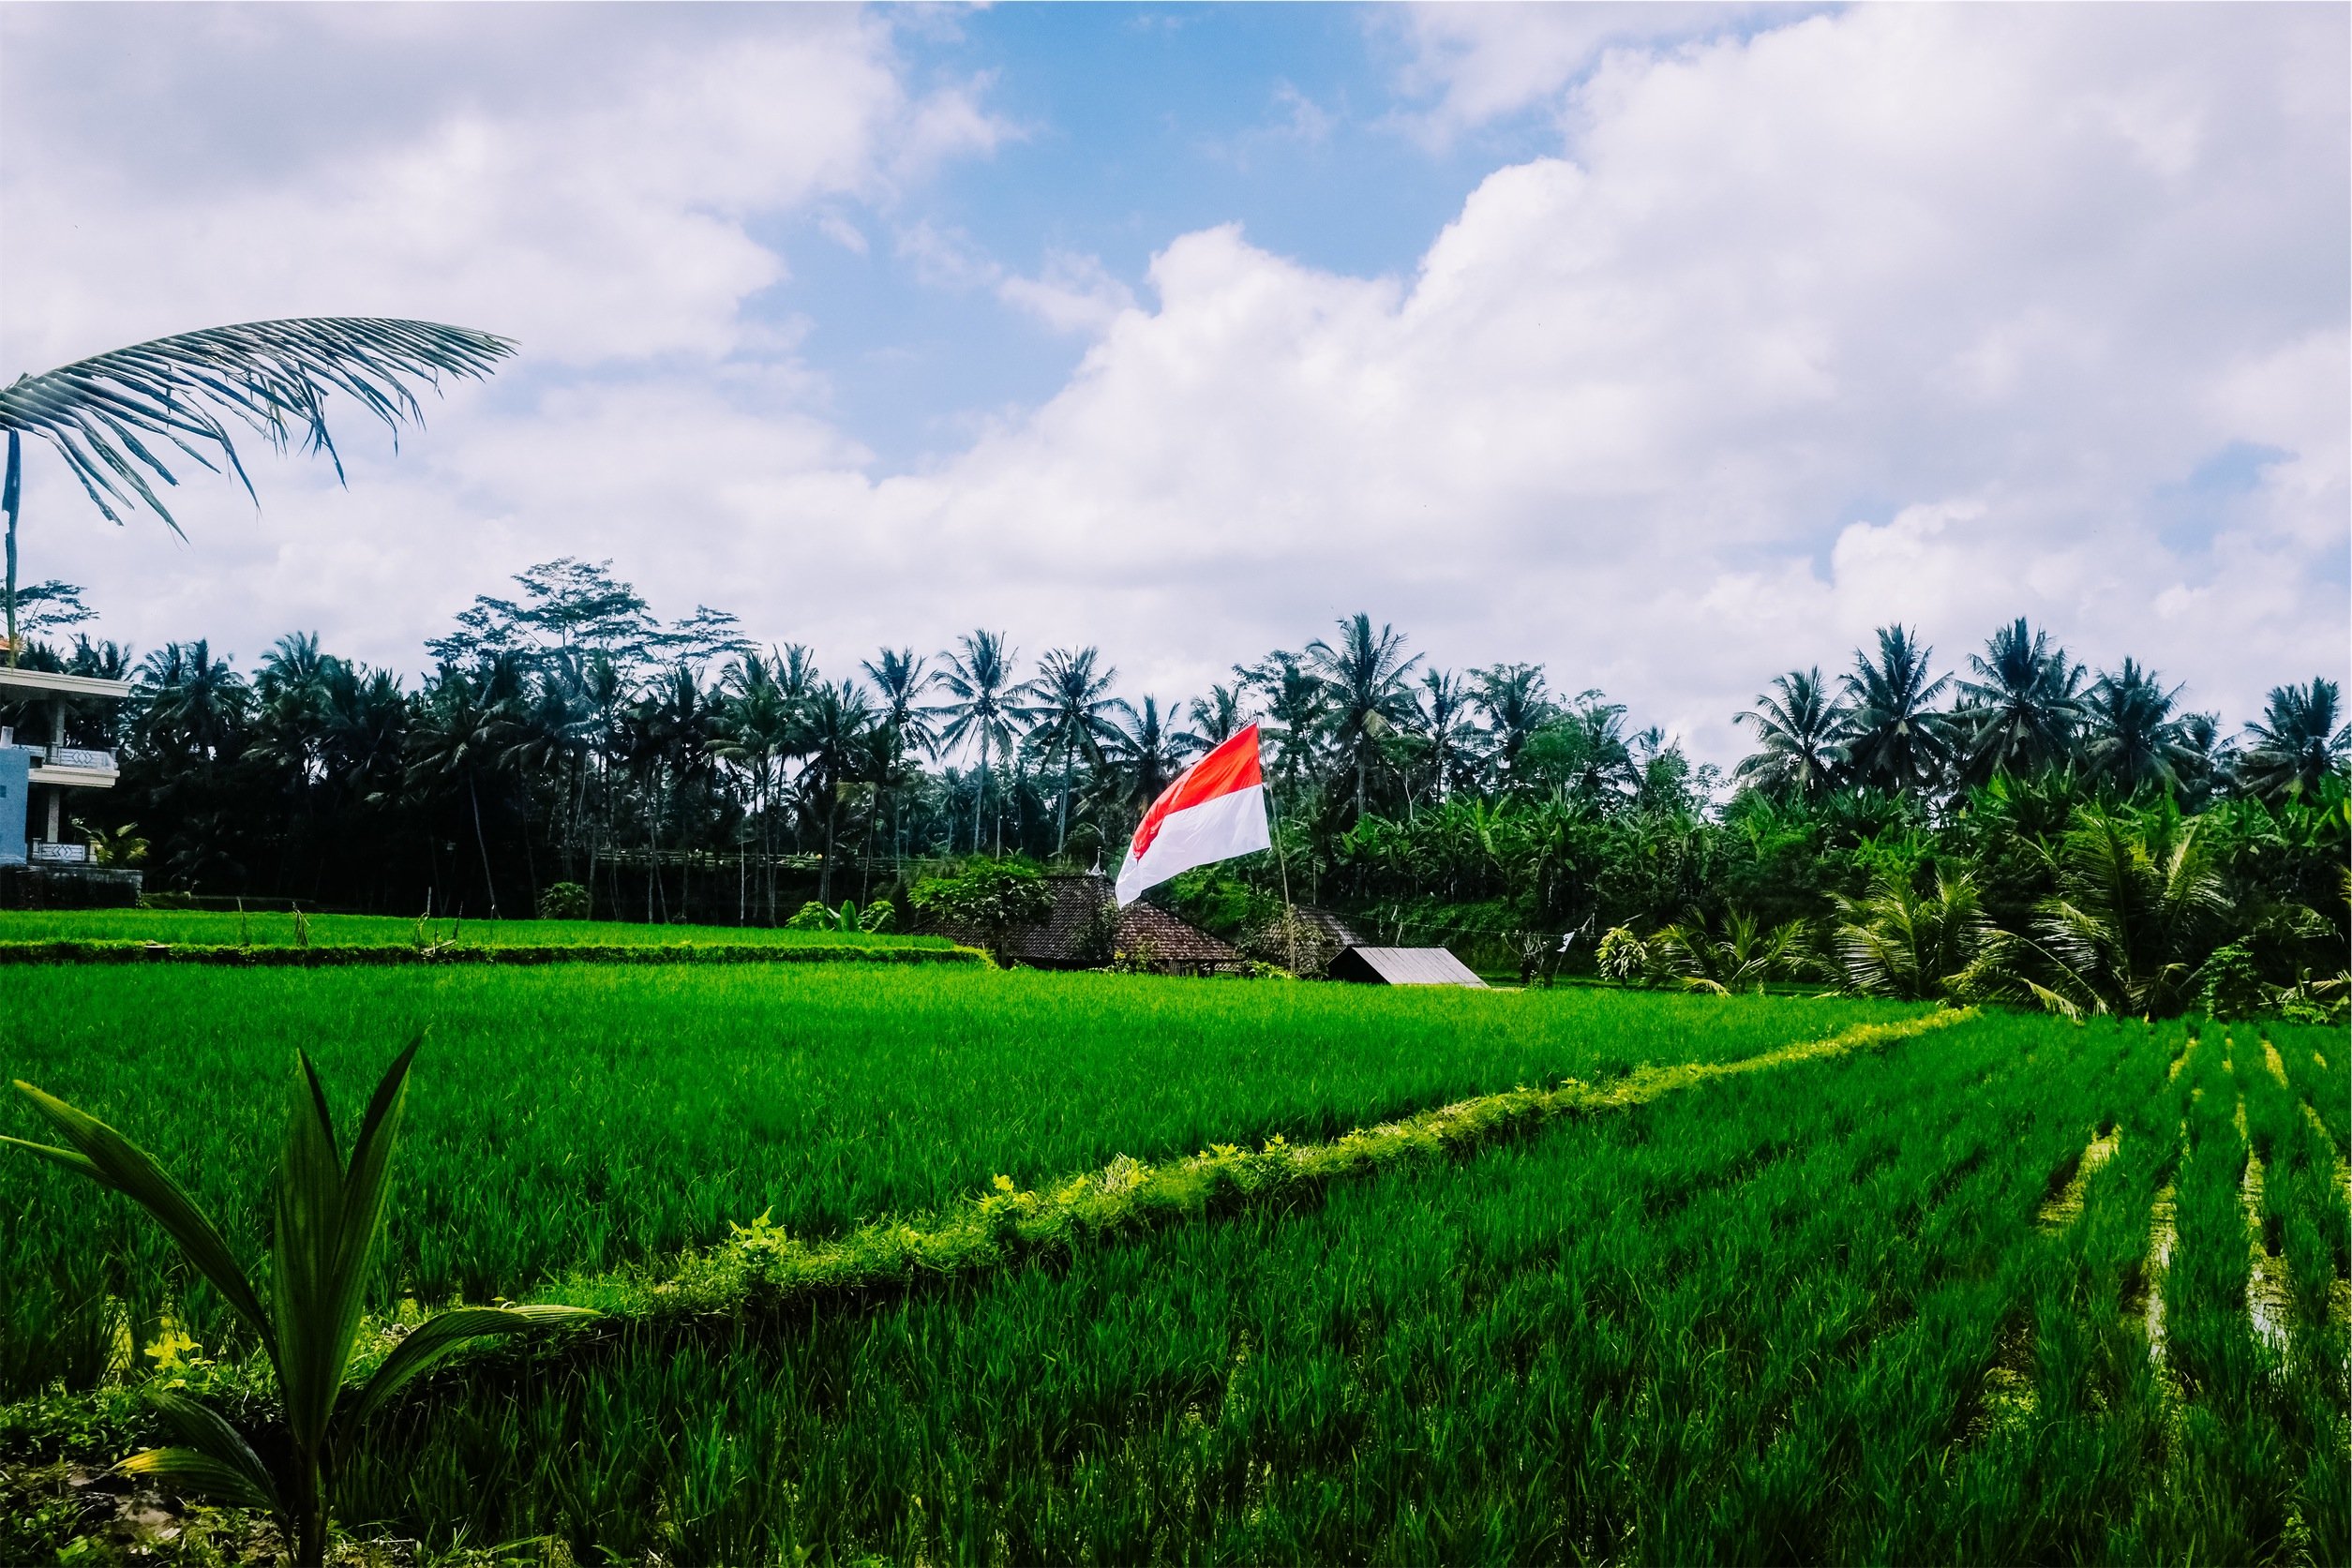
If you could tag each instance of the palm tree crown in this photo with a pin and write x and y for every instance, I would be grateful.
(1797, 733)
(1363, 676)
(978, 676)
(1892, 739)
(2299, 743)
(2134, 742)
(2020, 713)
(1069, 709)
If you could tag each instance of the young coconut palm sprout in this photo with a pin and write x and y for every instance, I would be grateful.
(271, 376)
(330, 1221)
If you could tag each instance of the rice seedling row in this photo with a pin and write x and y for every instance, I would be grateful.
(581, 1119)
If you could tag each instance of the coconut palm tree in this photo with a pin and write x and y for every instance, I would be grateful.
(1440, 717)
(1294, 703)
(190, 704)
(979, 677)
(2134, 742)
(2136, 906)
(1892, 737)
(1512, 698)
(836, 735)
(465, 725)
(274, 378)
(2021, 713)
(1366, 697)
(1144, 756)
(1218, 717)
(1069, 710)
(1894, 942)
(1797, 736)
(2300, 741)
(902, 723)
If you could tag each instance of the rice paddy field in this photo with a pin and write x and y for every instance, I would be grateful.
(278, 929)
(1773, 1279)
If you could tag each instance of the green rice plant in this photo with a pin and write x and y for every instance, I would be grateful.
(1742, 1321)
(240, 928)
(585, 1119)
(330, 1223)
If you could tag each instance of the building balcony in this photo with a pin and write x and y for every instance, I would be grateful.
(87, 767)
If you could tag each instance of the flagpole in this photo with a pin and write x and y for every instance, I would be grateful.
(1290, 912)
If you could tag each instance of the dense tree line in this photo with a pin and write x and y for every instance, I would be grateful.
(568, 735)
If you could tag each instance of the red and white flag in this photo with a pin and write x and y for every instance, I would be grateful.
(1215, 811)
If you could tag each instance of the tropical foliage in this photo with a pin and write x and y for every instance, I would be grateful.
(329, 1225)
(1901, 815)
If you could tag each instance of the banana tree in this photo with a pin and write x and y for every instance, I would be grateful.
(329, 1226)
(271, 377)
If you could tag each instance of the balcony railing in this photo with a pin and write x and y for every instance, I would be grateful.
(90, 758)
(60, 854)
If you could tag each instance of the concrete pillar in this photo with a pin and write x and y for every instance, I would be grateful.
(56, 799)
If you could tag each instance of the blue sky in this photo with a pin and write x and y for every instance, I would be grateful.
(1129, 127)
(1671, 347)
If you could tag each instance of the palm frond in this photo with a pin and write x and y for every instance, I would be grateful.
(272, 376)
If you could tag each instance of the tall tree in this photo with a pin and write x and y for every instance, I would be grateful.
(1894, 738)
(1144, 756)
(1070, 710)
(1797, 736)
(1366, 697)
(979, 677)
(1218, 717)
(272, 376)
(837, 726)
(2301, 740)
(1515, 705)
(2021, 713)
(1442, 719)
(465, 722)
(902, 680)
(2134, 741)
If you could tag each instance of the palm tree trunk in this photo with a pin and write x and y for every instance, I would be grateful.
(474, 799)
(979, 796)
(1061, 835)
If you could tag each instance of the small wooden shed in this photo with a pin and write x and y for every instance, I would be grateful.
(1402, 966)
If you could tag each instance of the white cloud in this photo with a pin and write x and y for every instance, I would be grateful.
(609, 220)
(1899, 314)
(1072, 293)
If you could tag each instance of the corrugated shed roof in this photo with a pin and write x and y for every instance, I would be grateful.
(1402, 966)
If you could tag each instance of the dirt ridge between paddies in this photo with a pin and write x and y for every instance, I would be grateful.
(335, 955)
(762, 1264)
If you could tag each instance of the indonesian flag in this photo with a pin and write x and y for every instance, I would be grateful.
(1215, 811)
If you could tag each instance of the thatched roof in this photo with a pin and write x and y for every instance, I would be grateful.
(1079, 934)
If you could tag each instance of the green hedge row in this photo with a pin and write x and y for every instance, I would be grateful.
(346, 953)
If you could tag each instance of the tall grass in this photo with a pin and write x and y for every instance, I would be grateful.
(576, 1119)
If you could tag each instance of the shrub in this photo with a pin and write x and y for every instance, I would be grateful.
(1622, 957)
(994, 898)
(564, 901)
(811, 915)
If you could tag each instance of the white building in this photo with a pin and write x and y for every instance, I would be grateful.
(38, 771)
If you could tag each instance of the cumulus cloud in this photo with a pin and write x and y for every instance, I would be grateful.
(1913, 314)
